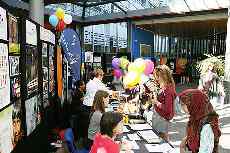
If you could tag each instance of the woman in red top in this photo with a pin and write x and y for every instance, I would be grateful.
(110, 126)
(163, 102)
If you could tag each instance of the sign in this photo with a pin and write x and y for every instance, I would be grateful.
(31, 33)
(4, 76)
(14, 46)
(89, 57)
(70, 43)
(6, 130)
(3, 24)
(47, 35)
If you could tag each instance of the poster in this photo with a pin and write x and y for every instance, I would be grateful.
(15, 87)
(31, 69)
(14, 65)
(4, 76)
(14, 47)
(31, 33)
(47, 35)
(3, 24)
(45, 68)
(33, 116)
(6, 130)
(51, 70)
(18, 132)
(89, 57)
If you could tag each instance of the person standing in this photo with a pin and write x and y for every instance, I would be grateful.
(163, 103)
(203, 132)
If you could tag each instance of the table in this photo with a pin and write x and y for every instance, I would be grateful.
(141, 143)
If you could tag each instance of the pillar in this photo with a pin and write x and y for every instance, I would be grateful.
(227, 62)
(129, 37)
(37, 11)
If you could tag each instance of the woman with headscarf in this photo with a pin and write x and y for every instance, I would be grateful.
(203, 132)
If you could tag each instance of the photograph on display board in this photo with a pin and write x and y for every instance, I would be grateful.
(18, 132)
(6, 130)
(45, 68)
(4, 76)
(31, 69)
(3, 24)
(51, 70)
(31, 33)
(14, 46)
(33, 116)
(14, 65)
(15, 88)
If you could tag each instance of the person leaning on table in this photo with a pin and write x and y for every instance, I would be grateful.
(203, 132)
(163, 103)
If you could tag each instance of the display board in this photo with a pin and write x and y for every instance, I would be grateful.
(4, 76)
(31, 33)
(51, 71)
(33, 117)
(6, 130)
(3, 24)
(14, 46)
(31, 69)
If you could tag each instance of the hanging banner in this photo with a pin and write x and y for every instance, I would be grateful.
(70, 43)
(3, 24)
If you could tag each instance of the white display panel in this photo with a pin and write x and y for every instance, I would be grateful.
(31, 33)
(3, 24)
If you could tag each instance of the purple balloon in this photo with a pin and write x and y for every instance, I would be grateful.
(117, 73)
(149, 67)
(116, 63)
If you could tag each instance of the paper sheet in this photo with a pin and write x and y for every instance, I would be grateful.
(165, 148)
(125, 130)
(134, 145)
(138, 127)
(149, 136)
(133, 136)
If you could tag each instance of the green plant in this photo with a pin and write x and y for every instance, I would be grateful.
(216, 61)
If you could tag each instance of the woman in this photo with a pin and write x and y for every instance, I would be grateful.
(110, 126)
(101, 100)
(203, 130)
(163, 102)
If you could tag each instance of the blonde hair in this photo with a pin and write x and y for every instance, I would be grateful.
(164, 72)
(98, 72)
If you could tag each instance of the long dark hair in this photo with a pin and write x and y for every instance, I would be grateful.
(109, 121)
(98, 103)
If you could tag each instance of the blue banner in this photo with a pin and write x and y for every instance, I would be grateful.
(70, 43)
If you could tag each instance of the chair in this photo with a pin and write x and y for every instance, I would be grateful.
(69, 138)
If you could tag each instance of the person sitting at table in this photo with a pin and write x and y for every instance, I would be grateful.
(101, 100)
(163, 102)
(110, 126)
(203, 132)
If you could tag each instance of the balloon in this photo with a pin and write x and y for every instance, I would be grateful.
(60, 26)
(117, 73)
(60, 13)
(144, 78)
(131, 79)
(116, 63)
(140, 65)
(53, 20)
(67, 19)
(123, 63)
(149, 67)
(132, 68)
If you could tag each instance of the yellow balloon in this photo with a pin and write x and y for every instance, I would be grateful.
(60, 13)
(140, 65)
(132, 68)
(131, 79)
(123, 63)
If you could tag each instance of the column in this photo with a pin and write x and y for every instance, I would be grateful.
(227, 62)
(129, 37)
(37, 11)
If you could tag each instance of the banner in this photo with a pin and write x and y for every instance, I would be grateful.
(70, 43)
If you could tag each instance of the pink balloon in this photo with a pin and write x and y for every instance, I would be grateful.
(149, 67)
(117, 73)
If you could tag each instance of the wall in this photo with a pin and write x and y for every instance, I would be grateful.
(140, 37)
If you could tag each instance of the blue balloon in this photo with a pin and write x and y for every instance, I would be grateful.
(53, 20)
